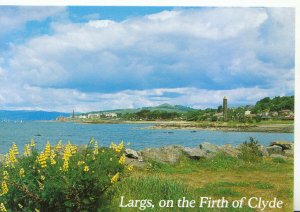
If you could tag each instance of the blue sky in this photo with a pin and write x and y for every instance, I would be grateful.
(97, 58)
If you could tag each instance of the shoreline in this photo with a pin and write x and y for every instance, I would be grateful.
(259, 128)
(186, 125)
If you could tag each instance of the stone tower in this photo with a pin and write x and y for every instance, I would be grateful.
(225, 108)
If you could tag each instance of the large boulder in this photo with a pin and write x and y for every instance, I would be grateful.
(274, 149)
(194, 153)
(168, 154)
(209, 148)
(230, 150)
(283, 144)
(130, 153)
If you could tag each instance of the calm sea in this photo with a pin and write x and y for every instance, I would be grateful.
(139, 138)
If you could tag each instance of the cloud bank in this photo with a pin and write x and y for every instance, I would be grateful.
(181, 56)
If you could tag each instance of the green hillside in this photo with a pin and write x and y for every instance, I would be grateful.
(162, 107)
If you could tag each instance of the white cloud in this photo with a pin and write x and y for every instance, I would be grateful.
(35, 98)
(198, 54)
(14, 18)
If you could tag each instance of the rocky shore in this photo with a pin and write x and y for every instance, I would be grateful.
(278, 128)
(172, 154)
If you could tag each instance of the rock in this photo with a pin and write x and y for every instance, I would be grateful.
(130, 153)
(283, 144)
(278, 156)
(209, 148)
(289, 152)
(264, 151)
(230, 150)
(168, 154)
(194, 153)
(135, 163)
(274, 149)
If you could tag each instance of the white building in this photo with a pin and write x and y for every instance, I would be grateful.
(247, 113)
(93, 115)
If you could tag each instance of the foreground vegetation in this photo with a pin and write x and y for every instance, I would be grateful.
(60, 177)
(223, 176)
(91, 178)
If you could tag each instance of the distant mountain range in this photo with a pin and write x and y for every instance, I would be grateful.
(29, 115)
(32, 115)
(163, 107)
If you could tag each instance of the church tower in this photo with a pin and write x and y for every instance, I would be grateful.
(225, 108)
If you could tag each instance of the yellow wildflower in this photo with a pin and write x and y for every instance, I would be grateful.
(15, 149)
(12, 156)
(5, 175)
(115, 178)
(7, 160)
(47, 150)
(122, 159)
(42, 160)
(95, 148)
(27, 150)
(20, 206)
(86, 168)
(41, 185)
(66, 156)
(43, 177)
(65, 165)
(130, 167)
(52, 156)
(73, 149)
(116, 147)
(22, 172)
(2, 207)
(80, 162)
(58, 145)
(52, 161)
(110, 159)
(4, 188)
(36, 210)
(32, 143)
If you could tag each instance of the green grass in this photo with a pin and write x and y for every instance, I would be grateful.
(221, 162)
(156, 188)
(263, 185)
(222, 176)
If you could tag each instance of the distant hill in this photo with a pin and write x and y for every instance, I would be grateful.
(29, 115)
(163, 107)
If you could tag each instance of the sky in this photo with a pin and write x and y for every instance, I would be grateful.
(100, 58)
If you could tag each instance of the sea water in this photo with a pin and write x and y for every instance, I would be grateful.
(137, 135)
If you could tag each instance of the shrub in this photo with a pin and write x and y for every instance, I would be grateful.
(250, 151)
(278, 160)
(60, 178)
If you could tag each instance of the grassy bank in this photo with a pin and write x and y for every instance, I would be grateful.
(222, 176)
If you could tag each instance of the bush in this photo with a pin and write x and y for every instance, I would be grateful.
(60, 178)
(250, 151)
